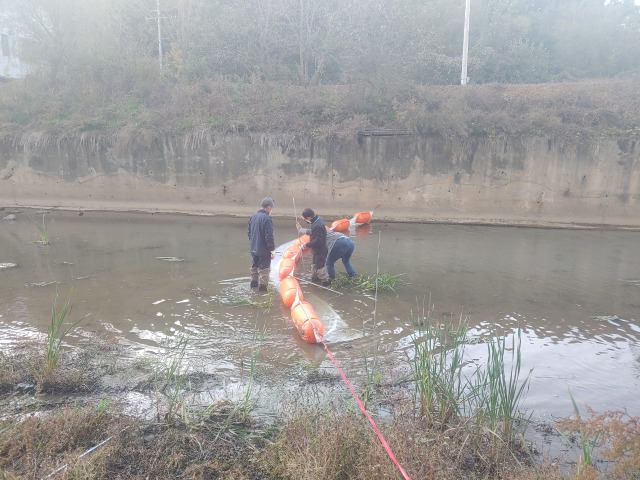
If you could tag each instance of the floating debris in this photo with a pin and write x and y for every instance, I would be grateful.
(606, 318)
(40, 284)
(171, 259)
(7, 265)
(85, 277)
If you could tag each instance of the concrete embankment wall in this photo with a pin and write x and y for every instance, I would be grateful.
(415, 178)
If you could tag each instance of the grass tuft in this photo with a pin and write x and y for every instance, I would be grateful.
(367, 283)
(43, 231)
(58, 332)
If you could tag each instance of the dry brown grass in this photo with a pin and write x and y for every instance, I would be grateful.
(195, 112)
(616, 432)
(309, 443)
(78, 369)
(337, 445)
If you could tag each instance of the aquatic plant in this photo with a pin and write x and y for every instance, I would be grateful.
(265, 302)
(615, 431)
(258, 337)
(499, 395)
(58, 333)
(438, 353)
(373, 377)
(589, 439)
(373, 283)
(43, 231)
(170, 380)
(489, 396)
(366, 283)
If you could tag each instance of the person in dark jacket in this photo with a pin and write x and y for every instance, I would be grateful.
(260, 232)
(318, 243)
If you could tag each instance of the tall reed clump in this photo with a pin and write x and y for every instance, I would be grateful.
(499, 393)
(437, 368)
(488, 397)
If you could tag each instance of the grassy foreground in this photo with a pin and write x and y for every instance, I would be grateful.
(427, 422)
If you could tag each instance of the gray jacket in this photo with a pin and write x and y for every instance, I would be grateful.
(332, 237)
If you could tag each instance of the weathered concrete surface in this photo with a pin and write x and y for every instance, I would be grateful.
(414, 178)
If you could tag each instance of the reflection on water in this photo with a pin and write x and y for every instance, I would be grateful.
(147, 278)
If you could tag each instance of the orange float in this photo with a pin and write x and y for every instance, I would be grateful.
(341, 225)
(289, 290)
(362, 217)
(307, 322)
(291, 252)
(299, 241)
(287, 268)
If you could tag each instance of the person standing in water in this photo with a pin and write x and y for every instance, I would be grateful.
(262, 244)
(318, 243)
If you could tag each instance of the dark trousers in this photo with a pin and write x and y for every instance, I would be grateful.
(261, 261)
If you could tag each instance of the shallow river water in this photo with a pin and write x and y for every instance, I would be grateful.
(145, 279)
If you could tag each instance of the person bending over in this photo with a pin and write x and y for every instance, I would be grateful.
(341, 247)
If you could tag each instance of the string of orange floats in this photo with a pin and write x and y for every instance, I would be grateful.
(304, 316)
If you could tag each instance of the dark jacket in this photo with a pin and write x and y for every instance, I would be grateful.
(260, 232)
(318, 241)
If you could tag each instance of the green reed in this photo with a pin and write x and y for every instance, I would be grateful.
(437, 368)
(258, 338)
(366, 283)
(499, 391)
(171, 380)
(588, 440)
(43, 231)
(490, 394)
(58, 332)
(266, 301)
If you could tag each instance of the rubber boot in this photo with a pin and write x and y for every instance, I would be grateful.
(263, 279)
(323, 276)
(254, 277)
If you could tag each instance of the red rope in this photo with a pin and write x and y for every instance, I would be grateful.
(366, 414)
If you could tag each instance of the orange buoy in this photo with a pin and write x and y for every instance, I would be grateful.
(287, 268)
(300, 240)
(307, 322)
(289, 290)
(362, 217)
(291, 252)
(341, 225)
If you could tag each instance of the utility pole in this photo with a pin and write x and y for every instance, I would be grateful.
(465, 44)
(160, 34)
(157, 16)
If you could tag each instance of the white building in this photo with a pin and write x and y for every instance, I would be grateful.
(11, 45)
